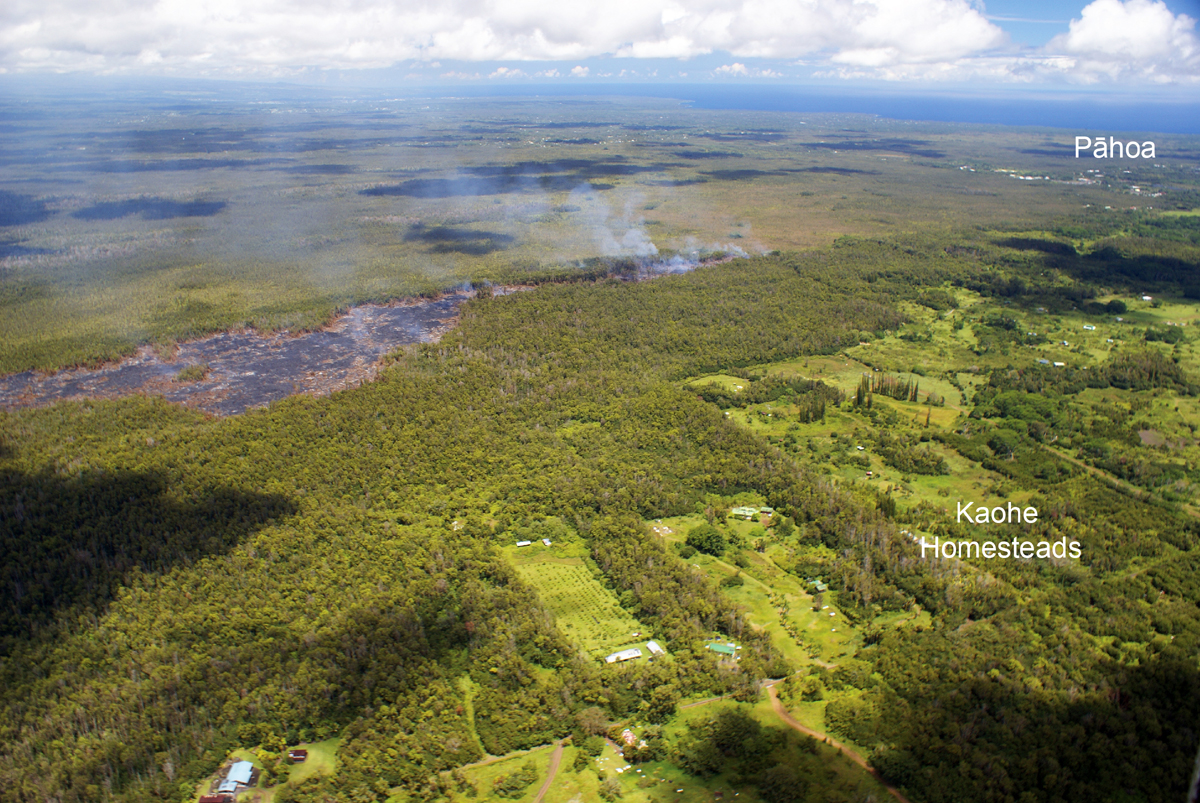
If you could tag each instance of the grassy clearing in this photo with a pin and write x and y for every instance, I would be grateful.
(587, 612)
(775, 601)
(482, 776)
(322, 760)
(660, 782)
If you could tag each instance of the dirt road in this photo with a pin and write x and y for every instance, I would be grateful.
(791, 722)
(552, 770)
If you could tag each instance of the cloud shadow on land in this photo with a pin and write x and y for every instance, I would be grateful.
(13, 248)
(746, 136)
(674, 182)
(742, 175)
(708, 155)
(71, 541)
(1064, 151)
(1037, 244)
(559, 176)
(320, 170)
(908, 147)
(21, 210)
(459, 240)
(841, 171)
(149, 209)
(162, 165)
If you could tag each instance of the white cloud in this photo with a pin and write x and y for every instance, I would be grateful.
(894, 39)
(282, 35)
(739, 70)
(732, 69)
(508, 72)
(1138, 38)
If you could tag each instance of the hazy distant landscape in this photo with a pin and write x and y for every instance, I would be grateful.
(150, 223)
(435, 411)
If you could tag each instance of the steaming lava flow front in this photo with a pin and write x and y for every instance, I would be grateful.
(246, 369)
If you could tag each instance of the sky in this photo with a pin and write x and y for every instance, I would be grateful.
(1107, 45)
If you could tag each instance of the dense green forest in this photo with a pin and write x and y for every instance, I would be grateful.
(175, 586)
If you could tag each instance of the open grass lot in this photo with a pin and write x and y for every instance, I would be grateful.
(657, 782)
(774, 600)
(482, 776)
(322, 760)
(587, 612)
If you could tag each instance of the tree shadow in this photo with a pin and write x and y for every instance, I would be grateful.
(72, 541)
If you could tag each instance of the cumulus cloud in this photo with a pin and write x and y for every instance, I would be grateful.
(739, 70)
(508, 72)
(281, 35)
(1138, 38)
(1112, 41)
(732, 69)
(896, 39)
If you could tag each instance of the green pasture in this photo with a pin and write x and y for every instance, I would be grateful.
(775, 602)
(724, 381)
(587, 612)
(657, 781)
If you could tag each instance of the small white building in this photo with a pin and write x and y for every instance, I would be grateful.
(654, 649)
(524, 543)
(546, 541)
(623, 655)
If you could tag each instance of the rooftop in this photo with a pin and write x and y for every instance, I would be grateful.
(240, 772)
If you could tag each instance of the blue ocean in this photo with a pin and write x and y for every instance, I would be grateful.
(1078, 111)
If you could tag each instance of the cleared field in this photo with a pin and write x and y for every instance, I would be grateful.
(322, 760)
(586, 611)
(483, 775)
(775, 601)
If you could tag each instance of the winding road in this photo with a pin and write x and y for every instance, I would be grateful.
(791, 722)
